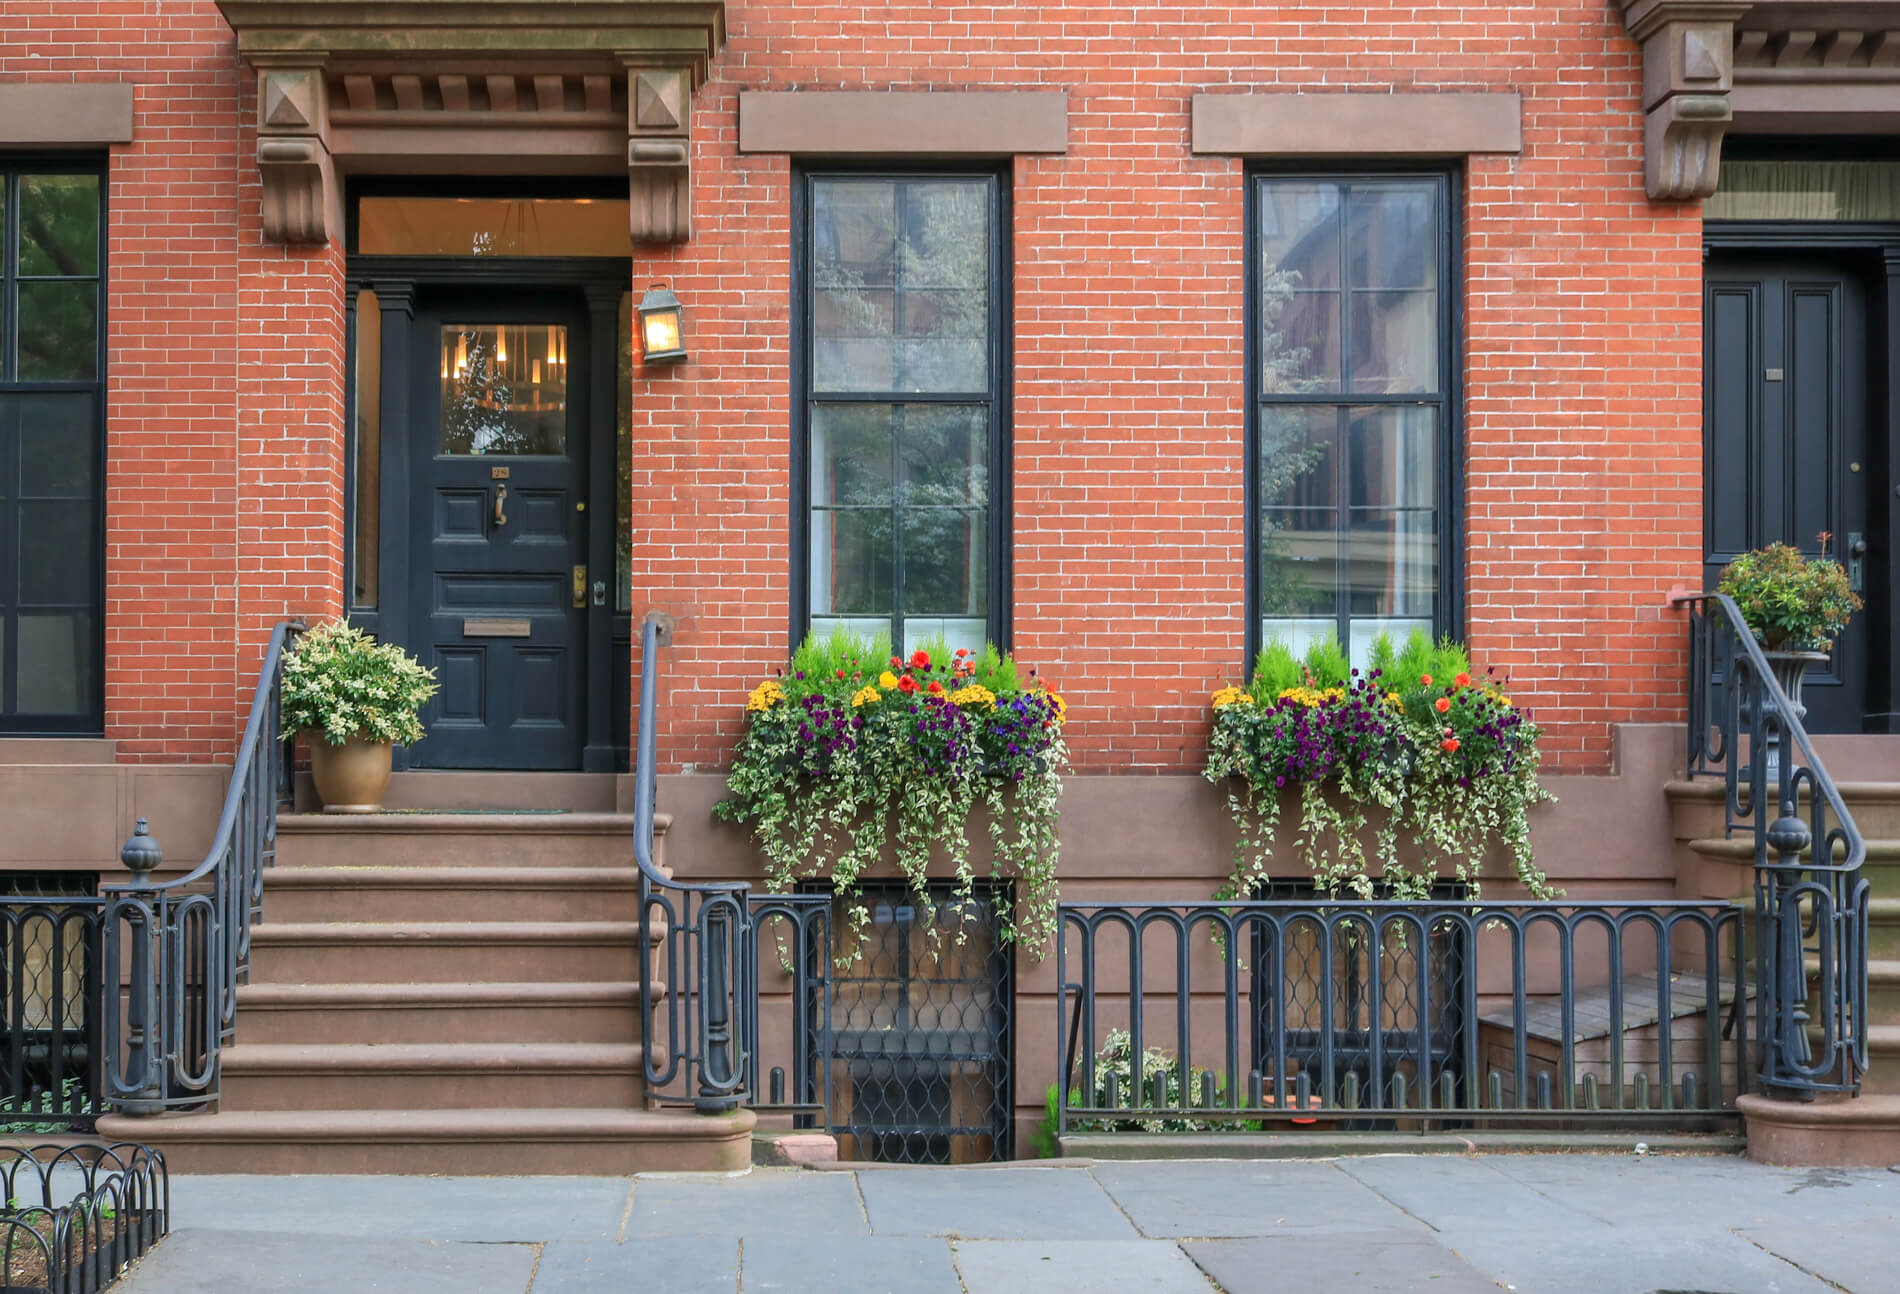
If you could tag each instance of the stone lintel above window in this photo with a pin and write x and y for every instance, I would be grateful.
(933, 123)
(1357, 125)
(495, 87)
(40, 114)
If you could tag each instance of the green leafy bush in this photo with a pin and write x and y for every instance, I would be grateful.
(1793, 603)
(340, 682)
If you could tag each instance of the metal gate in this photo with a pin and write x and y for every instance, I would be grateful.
(918, 1055)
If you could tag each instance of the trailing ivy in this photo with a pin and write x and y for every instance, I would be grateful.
(854, 748)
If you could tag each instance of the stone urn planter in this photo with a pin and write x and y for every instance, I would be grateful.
(353, 777)
(1790, 669)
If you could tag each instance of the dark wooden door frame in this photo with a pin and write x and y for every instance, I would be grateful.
(602, 281)
(1879, 242)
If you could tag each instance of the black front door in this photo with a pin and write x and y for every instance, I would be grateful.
(1786, 439)
(499, 526)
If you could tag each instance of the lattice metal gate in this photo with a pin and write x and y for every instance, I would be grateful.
(920, 1042)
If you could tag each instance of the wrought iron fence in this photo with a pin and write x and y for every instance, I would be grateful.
(117, 1205)
(1809, 931)
(1352, 1014)
(50, 971)
(177, 951)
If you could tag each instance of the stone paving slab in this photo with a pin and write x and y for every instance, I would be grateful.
(697, 1263)
(1630, 1260)
(1370, 1262)
(1717, 1191)
(1468, 1192)
(1826, 1252)
(991, 1204)
(819, 1264)
(200, 1261)
(1232, 1198)
(529, 1210)
(1039, 1266)
(782, 1201)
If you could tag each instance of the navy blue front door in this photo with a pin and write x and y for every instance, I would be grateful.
(499, 583)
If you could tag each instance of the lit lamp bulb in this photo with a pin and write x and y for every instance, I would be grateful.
(662, 326)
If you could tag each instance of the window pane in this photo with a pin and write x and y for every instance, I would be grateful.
(946, 455)
(1296, 456)
(1393, 235)
(1804, 190)
(1298, 633)
(852, 563)
(504, 389)
(1298, 307)
(55, 663)
(969, 634)
(1299, 342)
(851, 455)
(900, 285)
(59, 331)
(1395, 343)
(1393, 567)
(56, 553)
(492, 226)
(1394, 457)
(1299, 562)
(367, 426)
(57, 443)
(1299, 232)
(59, 225)
(946, 561)
(1364, 629)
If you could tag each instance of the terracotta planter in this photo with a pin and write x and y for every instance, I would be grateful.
(351, 778)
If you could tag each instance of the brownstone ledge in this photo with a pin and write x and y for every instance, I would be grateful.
(1862, 1132)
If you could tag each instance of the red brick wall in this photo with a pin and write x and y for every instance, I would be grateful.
(223, 390)
(1582, 342)
(1582, 337)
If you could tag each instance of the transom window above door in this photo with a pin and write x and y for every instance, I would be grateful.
(901, 406)
(1351, 364)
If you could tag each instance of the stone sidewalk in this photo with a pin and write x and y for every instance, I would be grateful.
(1570, 1224)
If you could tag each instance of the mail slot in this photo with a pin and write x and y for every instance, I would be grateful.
(476, 628)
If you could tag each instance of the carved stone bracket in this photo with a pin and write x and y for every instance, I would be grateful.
(1688, 72)
(488, 87)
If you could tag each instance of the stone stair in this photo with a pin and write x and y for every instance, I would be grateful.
(444, 992)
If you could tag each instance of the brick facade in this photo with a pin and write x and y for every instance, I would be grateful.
(1581, 363)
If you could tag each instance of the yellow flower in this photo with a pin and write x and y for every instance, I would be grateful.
(887, 680)
(1501, 699)
(866, 696)
(974, 694)
(765, 696)
(1231, 696)
(1062, 707)
(1392, 698)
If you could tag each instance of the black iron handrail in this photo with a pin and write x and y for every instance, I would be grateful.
(180, 948)
(1276, 1013)
(711, 1016)
(1811, 901)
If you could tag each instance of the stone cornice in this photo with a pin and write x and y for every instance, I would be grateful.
(475, 86)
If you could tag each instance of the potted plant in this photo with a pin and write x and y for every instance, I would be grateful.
(356, 697)
(1795, 605)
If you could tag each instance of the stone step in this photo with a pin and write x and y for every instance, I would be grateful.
(58, 750)
(1883, 930)
(300, 895)
(517, 840)
(348, 952)
(1883, 1061)
(1883, 992)
(464, 789)
(431, 1076)
(1697, 806)
(607, 1011)
(612, 1142)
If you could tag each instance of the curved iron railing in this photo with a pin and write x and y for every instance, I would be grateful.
(1811, 902)
(177, 951)
(119, 1207)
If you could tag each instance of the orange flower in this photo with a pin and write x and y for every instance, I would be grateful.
(1424, 680)
(1449, 745)
(935, 688)
(1442, 704)
(896, 663)
(907, 684)
(920, 659)
(1463, 680)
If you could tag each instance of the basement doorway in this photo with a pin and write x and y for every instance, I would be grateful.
(920, 1042)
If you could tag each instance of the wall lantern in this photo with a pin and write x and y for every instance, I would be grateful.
(662, 327)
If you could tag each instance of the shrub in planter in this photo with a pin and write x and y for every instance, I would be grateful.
(358, 696)
(1791, 602)
(854, 748)
(1414, 750)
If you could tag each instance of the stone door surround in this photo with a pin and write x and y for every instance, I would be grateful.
(1795, 67)
(510, 87)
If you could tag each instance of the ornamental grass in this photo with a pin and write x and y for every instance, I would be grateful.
(1414, 750)
(853, 749)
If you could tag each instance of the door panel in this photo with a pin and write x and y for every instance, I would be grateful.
(1786, 435)
(499, 445)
